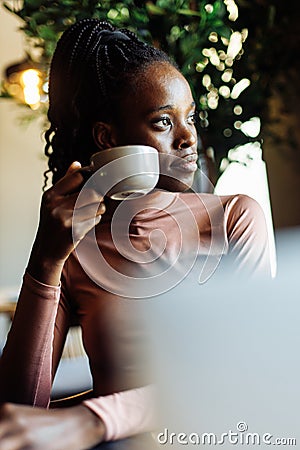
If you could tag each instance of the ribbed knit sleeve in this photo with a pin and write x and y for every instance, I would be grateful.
(247, 236)
(126, 413)
(25, 365)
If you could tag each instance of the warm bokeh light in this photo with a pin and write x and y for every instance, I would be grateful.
(213, 37)
(239, 87)
(238, 110)
(237, 124)
(31, 86)
(213, 99)
(227, 132)
(244, 34)
(209, 8)
(229, 61)
(223, 61)
(221, 67)
(206, 80)
(224, 91)
(251, 128)
(227, 75)
(232, 9)
(222, 55)
(235, 44)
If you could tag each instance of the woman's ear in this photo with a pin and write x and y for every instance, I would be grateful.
(103, 135)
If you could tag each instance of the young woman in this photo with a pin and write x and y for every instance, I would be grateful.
(109, 89)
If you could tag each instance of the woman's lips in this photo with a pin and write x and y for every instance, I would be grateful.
(187, 163)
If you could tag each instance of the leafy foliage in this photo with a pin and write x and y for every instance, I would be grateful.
(196, 33)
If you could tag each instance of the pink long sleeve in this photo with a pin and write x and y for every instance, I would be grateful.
(247, 236)
(126, 413)
(25, 365)
(44, 312)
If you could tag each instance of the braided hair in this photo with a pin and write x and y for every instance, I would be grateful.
(90, 69)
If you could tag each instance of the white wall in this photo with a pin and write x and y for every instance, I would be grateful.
(21, 168)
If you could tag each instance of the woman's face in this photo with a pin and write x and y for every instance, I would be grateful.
(159, 111)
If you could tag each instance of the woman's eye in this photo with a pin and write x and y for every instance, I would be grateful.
(192, 119)
(162, 123)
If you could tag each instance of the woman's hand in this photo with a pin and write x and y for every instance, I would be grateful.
(24, 427)
(55, 237)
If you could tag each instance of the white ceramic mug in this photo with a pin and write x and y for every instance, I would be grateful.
(125, 172)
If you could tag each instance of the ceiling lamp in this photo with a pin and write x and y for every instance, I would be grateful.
(25, 82)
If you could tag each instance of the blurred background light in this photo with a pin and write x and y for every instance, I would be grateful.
(229, 61)
(24, 83)
(213, 37)
(206, 80)
(235, 44)
(239, 87)
(209, 8)
(232, 9)
(226, 75)
(224, 91)
(237, 124)
(31, 86)
(251, 128)
(238, 110)
(227, 132)
(213, 102)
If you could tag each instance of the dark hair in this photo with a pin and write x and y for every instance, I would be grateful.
(90, 69)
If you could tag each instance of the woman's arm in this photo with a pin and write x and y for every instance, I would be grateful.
(25, 367)
(112, 417)
(126, 413)
(247, 236)
(26, 378)
(25, 364)
(27, 428)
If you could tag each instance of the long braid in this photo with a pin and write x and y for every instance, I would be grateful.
(92, 64)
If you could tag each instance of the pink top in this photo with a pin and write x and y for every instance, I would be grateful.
(107, 306)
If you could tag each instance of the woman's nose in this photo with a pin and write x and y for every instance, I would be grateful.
(186, 137)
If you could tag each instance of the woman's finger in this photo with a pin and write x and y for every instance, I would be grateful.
(80, 229)
(74, 167)
(88, 196)
(70, 182)
(71, 204)
(88, 211)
